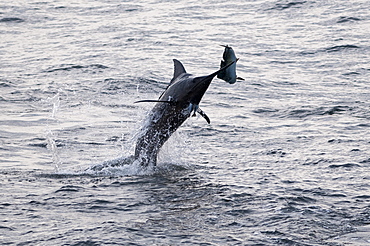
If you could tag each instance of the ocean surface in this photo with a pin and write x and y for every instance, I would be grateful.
(285, 160)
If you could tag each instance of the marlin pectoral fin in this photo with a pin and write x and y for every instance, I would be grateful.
(239, 78)
(204, 115)
(171, 102)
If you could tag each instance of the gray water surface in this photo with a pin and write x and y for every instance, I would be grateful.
(285, 160)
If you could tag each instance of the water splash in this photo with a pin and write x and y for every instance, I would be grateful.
(122, 166)
(129, 166)
(50, 136)
(169, 159)
(55, 100)
(174, 149)
(52, 147)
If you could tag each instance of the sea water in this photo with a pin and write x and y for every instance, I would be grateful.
(285, 160)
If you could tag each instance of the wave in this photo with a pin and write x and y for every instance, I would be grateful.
(283, 6)
(11, 19)
(129, 84)
(69, 188)
(336, 48)
(5, 83)
(43, 142)
(341, 48)
(365, 161)
(303, 112)
(344, 19)
(70, 67)
(347, 165)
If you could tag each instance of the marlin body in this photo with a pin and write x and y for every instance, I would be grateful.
(229, 74)
(180, 99)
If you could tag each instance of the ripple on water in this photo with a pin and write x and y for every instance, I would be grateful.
(11, 20)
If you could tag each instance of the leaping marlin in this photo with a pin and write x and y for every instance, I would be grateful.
(180, 99)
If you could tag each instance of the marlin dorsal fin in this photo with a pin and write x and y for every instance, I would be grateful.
(179, 69)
